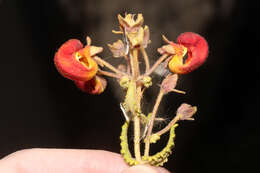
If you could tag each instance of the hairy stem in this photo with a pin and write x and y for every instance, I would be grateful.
(137, 138)
(151, 122)
(169, 126)
(135, 73)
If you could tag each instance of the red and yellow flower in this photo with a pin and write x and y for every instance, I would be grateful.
(76, 63)
(193, 44)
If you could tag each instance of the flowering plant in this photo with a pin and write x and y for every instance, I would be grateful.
(82, 65)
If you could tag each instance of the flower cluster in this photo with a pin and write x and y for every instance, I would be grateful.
(82, 65)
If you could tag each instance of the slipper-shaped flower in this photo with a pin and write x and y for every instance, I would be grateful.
(197, 48)
(75, 62)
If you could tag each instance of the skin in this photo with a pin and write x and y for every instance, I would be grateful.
(70, 161)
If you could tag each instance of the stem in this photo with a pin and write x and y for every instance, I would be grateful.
(134, 63)
(137, 138)
(109, 74)
(109, 66)
(128, 64)
(146, 59)
(156, 64)
(151, 122)
(168, 127)
(135, 73)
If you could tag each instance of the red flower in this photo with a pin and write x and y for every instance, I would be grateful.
(74, 62)
(197, 48)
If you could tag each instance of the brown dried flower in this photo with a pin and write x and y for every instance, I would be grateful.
(169, 84)
(129, 23)
(118, 49)
(186, 111)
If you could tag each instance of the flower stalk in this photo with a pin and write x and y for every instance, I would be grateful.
(151, 122)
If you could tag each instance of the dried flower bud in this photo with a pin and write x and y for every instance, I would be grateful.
(118, 49)
(186, 111)
(166, 49)
(94, 86)
(136, 38)
(129, 24)
(197, 53)
(74, 62)
(169, 83)
(95, 50)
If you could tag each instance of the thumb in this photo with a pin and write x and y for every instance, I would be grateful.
(145, 169)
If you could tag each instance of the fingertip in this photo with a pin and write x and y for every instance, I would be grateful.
(145, 169)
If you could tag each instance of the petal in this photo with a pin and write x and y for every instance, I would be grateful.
(197, 53)
(94, 86)
(74, 65)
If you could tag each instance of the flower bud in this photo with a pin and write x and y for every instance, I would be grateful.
(129, 23)
(169, 83)
(186, 111)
